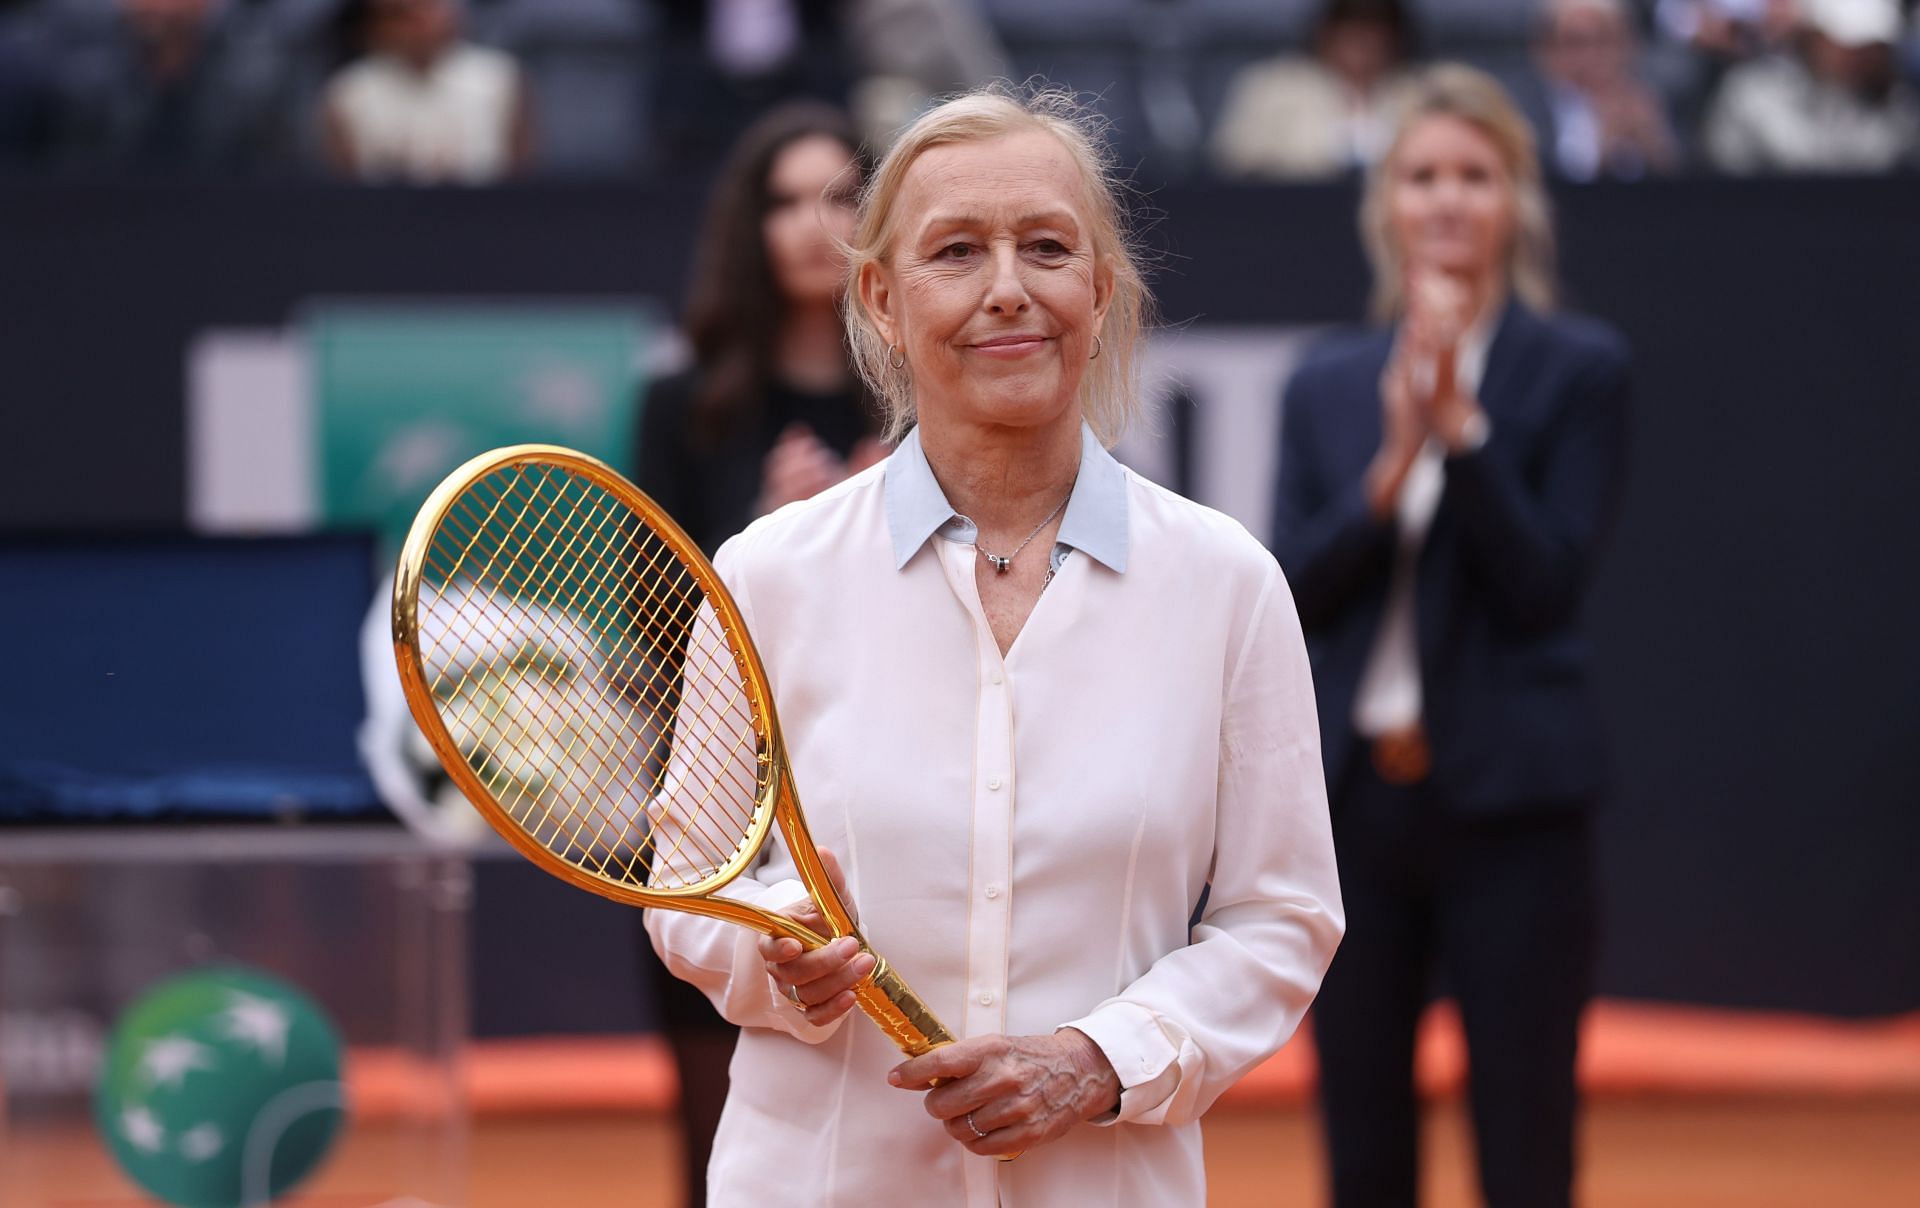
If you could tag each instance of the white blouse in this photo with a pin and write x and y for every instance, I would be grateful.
(449, 124)
(1026, 838)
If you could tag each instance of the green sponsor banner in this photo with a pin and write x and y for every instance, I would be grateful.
(405, 393)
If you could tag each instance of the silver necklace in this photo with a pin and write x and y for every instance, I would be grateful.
(1001, 565)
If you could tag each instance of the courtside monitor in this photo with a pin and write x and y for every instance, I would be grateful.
(156, 679)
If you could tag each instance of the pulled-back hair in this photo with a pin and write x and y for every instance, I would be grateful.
(1109, 393)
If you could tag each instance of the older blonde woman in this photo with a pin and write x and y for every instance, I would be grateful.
(1445, 482)
(1036, 705)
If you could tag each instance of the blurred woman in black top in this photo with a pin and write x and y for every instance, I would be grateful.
(770, 412)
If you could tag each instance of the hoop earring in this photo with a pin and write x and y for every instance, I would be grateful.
(899, 364)
(1097, 346)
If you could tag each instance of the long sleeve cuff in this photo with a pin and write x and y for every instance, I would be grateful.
(1146, 1059)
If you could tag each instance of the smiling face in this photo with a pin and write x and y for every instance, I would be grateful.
(1450, 201)
(991, 286)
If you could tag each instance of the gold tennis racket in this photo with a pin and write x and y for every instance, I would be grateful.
(586, 679)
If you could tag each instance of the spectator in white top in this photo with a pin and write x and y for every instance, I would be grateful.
(1837, 104)
(1597, 118)
(1302, 117)
(424, 107)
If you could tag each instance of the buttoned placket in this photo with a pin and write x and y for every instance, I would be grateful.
(990, 887)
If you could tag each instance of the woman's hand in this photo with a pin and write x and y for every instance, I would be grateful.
(1403, 423)
(799, 466)
(1403, 430)
(1008, 1094)
(1420, 395)
(1438, 312)
(818, 983)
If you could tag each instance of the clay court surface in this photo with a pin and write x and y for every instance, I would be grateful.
(1686, 1109)
(1653, 1152)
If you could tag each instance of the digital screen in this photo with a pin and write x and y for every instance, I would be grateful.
(191, 678)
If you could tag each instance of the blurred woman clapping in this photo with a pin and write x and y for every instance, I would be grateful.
(1445, 481)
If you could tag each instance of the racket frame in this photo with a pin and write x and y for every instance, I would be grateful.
(882, 994)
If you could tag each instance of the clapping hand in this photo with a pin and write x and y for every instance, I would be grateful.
(1420, 394)
(800, 466)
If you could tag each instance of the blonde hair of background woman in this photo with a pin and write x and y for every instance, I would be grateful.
(1474, 97)
(1109, 393)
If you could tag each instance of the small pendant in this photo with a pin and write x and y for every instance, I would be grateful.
(1000, 564)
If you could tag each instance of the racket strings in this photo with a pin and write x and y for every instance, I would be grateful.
(572, 550)
(581, 674)
(597, 593)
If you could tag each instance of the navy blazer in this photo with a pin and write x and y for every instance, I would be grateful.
(1504, 662)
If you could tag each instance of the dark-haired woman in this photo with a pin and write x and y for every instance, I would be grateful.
(770, 412)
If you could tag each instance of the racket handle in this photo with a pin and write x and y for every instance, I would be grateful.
(890, 1002)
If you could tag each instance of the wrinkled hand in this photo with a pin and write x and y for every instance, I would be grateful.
(799, 466)
(823, 978)
(1020, 1091)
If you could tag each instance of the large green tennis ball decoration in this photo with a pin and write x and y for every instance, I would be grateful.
(221, 1088)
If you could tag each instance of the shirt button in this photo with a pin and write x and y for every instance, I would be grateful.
(994, 784)
(993, 891)
(986, 1000)
(996, 677)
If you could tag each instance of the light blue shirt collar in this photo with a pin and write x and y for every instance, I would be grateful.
(1095, 523)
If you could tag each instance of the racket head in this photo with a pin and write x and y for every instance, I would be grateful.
(566, 650)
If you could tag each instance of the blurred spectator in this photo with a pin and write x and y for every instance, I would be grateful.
(1596, 117)
(1837, 103)
(771, 410)
(726, 61)
(423, 106)
(912, 51)
(173, 84)
(1728, 30)
(1910, 51)
(1910, 48)
(1446, 481)
(27, 98)
(1302, 117)
(1696, 41)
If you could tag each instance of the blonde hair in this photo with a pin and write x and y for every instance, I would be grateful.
(1109, 391)
(1472, 96)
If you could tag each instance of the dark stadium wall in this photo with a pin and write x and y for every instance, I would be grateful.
(1760, 669)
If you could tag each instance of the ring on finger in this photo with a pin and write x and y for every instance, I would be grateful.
(975, 1127)
(793, 996)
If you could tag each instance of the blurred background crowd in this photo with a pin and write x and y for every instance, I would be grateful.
(476, 91)
(229, 374)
